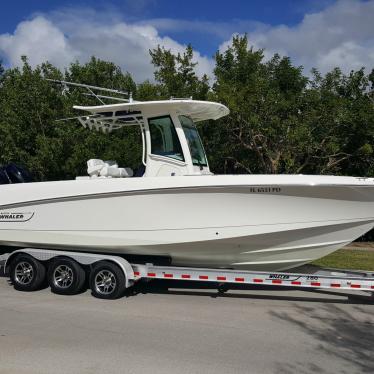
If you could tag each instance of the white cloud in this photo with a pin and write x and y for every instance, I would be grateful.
(68, 35)
(38, 39)
(218, 29)
(340, 35)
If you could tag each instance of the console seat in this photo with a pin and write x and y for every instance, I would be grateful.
(107, 169)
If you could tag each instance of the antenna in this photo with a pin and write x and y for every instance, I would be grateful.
(91, 91)
(105, 121)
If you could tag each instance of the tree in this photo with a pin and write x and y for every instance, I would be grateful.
(176, 74)
(148, 91)
(340, 117)
(101, 73)
(27, 103)
(1, 71)
(263, 131)
(52, 150)
(282, 122)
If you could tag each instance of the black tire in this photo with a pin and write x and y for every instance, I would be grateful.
(65, 276)
(26, 273)
(112, 274)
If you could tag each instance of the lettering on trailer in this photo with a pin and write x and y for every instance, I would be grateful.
(265, 189)
(15, 216)
(312, 277)
(283, 277)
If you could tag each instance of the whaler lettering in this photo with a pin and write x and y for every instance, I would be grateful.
(15, 216)
(11, 216)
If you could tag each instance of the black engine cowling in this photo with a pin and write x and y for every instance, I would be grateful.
(13, 173)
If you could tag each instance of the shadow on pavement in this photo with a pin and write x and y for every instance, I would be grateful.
(2, 274)
(345, 335)
(210, 290)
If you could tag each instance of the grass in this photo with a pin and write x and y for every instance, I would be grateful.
(348, 259)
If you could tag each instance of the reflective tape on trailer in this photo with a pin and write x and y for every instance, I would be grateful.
(352, 282)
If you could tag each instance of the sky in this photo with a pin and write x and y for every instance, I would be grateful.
(314, 33)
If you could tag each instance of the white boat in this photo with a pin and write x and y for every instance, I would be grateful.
(178, 210)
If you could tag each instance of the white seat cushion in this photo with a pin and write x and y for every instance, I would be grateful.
(116, 172)
(111, 163)
(94, 166)
(107, 169)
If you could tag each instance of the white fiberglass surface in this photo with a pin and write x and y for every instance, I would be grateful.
(308, 185)
(197, 110)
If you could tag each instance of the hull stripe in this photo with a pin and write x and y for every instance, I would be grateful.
(273, 262)
(163, 190)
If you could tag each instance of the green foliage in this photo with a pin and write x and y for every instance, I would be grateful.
(101, 73)
(265, 99)
(340, 115)
(283, 122)
(30, 135)
(1, 71)
(176, 74)
(148, 91)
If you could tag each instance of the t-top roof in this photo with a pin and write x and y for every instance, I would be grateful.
(197, 110)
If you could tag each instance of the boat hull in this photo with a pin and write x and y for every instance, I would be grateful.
(247, 226)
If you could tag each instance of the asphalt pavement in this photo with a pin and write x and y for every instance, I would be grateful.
(185, 331)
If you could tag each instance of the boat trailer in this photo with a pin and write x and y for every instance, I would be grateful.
(324, 279)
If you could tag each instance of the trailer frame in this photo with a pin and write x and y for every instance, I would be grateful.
(325, 279)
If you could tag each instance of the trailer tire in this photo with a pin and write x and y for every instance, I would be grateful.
(65, 276)
(26, 273)
(107, 280)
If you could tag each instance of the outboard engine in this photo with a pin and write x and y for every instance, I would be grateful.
(13, 173)
(4, 179)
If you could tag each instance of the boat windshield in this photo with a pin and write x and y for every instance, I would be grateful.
(194, 141)
(164, 138)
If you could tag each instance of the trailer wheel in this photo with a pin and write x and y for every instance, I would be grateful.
(107, 280)
(66, 276)
(26, 273)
